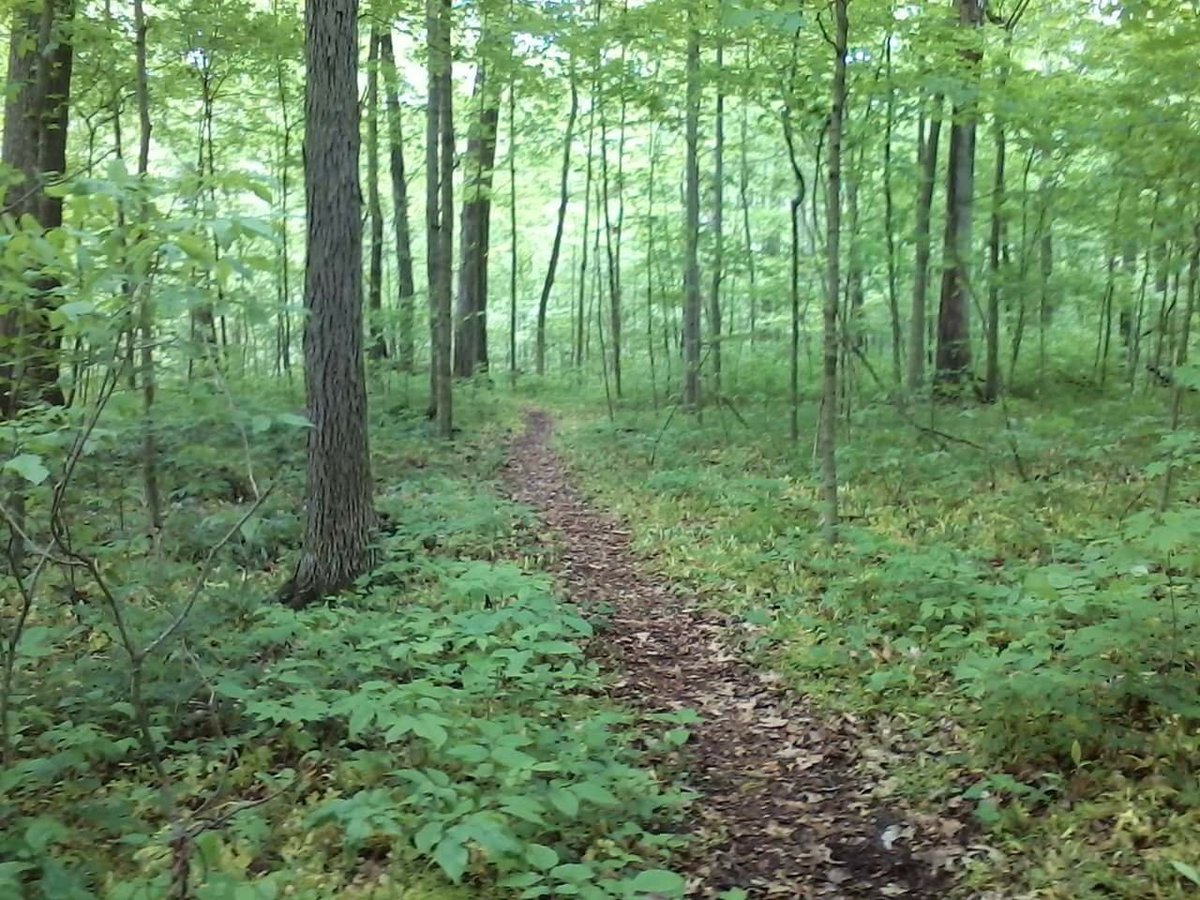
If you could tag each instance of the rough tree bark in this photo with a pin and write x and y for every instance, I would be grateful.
(35, 147)
(953, 363)
(470, 339)
(339, 514)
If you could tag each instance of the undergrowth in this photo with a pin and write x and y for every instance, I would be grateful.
(438, 726)
(1006, 599)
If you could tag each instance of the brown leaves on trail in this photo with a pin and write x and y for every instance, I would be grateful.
(784, 810)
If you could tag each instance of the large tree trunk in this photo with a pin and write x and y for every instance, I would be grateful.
(378, 348)
(827, 435)
(953, 361)
(339, 515)
(691, 226)
(405, 286)
(35, 146)
(470, 344)
(556, 246)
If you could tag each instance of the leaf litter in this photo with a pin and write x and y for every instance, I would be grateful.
(784, 809)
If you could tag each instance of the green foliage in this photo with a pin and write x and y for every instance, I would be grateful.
(1037, 629)
(443, 715)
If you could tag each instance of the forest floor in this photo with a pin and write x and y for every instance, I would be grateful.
(784, 809)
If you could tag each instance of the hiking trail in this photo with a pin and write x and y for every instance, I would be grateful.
(784, 808)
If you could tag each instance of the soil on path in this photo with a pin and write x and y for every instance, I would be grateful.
(784, 810)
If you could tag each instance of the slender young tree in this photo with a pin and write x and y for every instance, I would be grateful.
(439, 209)
(691, 225)
(827, 437)
(339, 513)
(405, 285)
(378, 348)
(560, 221)
(718, 210)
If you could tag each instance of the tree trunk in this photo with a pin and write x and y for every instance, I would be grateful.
(718, 208)
(405, 285)
(827, 435)
(470, 345)
(889, 224)
(691, 227)
(35, 147)
(378, 349)
(581, 318)
(927, 153)
(145, 304)
(339, 515)
(744, 198)
(439, 209)
(953, 362)
(556, 246)
(991, 385)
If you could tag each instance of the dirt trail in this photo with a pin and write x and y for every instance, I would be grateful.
(782, 812)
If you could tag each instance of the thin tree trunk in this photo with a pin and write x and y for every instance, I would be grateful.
(556, 246)
(512, 225)
(718, 262)
(927, 154)
(283, 337)
(581, 319)
(378, 347)
(691, 272)
(653, 152)
(405, 283)
(827, 435)
(439, 204)
(991, 386)
(146, 302)
(889, 225)
(744, 200)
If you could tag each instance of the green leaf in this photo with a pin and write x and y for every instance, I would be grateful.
(451, 855)
(565, 802)
(659, 881)
(513, 759)
(572, 873)
(29, 467)
(541, 857)
(1188, 872)
(425, 839)
(595, 793)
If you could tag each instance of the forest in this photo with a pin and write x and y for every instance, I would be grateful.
(611, 449)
